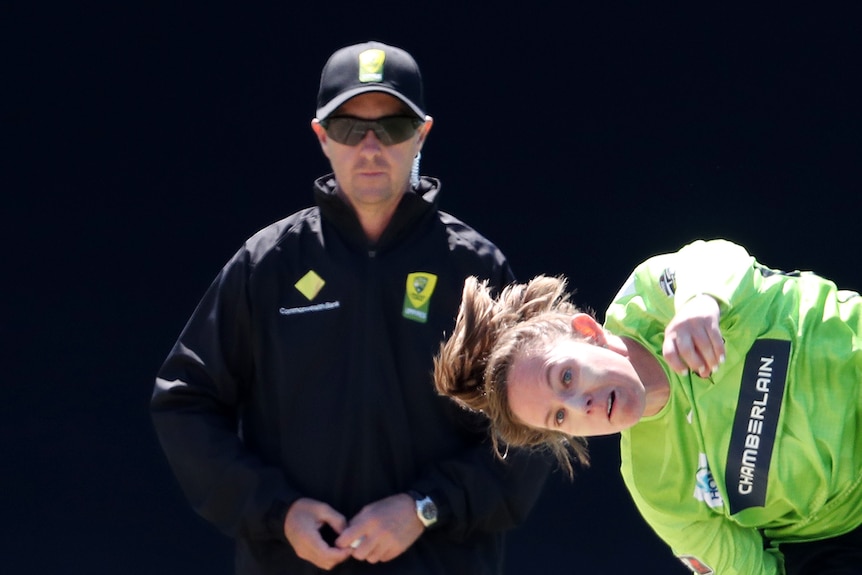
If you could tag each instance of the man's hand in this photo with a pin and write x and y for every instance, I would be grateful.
(692, 340)
(302, 528)
(382, 530)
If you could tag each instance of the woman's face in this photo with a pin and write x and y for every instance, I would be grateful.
(577, 388)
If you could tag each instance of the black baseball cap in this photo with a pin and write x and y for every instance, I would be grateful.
(370, 67)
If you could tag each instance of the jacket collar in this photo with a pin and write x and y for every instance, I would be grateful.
(415, 207)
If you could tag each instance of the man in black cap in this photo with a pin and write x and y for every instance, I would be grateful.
(297, 408)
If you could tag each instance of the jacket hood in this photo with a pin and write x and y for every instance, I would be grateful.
(416, 206)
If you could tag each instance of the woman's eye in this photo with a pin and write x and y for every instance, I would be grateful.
(560, 416)
(567, 377)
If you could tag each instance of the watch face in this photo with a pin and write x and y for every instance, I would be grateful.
(429, 510)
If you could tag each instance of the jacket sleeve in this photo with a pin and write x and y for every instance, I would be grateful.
(483, 493)
(194, 408)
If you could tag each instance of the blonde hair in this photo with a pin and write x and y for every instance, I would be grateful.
(472, 366)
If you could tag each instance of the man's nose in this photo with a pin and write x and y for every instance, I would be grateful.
(370, 140)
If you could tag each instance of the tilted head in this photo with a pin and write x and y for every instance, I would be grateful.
(474, 364)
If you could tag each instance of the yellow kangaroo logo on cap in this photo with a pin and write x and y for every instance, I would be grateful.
(371, 65)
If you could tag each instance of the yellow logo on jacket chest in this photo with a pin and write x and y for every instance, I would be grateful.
(417, 295)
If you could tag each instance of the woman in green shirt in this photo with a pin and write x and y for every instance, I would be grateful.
(736, 390)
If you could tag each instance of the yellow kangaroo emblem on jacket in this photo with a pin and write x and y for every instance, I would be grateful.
(417, 296)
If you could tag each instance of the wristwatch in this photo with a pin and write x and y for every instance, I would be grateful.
(426, 509)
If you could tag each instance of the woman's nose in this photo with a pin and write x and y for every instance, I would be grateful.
(582, 403)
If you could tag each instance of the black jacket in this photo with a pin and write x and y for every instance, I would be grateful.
(305, 371)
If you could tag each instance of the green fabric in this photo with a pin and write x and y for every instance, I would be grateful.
(815, 471)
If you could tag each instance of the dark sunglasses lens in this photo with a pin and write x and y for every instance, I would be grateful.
(389, 130)
(340, 130)
(397, 128)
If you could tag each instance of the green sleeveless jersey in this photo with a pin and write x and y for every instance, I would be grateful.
(770, 445)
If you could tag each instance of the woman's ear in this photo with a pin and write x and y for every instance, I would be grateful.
(587, 326)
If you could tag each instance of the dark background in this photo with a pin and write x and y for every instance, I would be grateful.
(146, 140)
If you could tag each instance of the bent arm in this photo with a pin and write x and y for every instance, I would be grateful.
(716, 542)
(195, 411)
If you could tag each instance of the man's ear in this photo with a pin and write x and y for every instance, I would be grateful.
(318, 128)
(320, 133)
(426, 127)
(587, 326)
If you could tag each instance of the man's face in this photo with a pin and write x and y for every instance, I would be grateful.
(371, 175)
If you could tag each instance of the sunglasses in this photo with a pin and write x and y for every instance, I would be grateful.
(390, 130)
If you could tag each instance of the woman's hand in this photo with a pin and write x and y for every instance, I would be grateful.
(692, 340)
